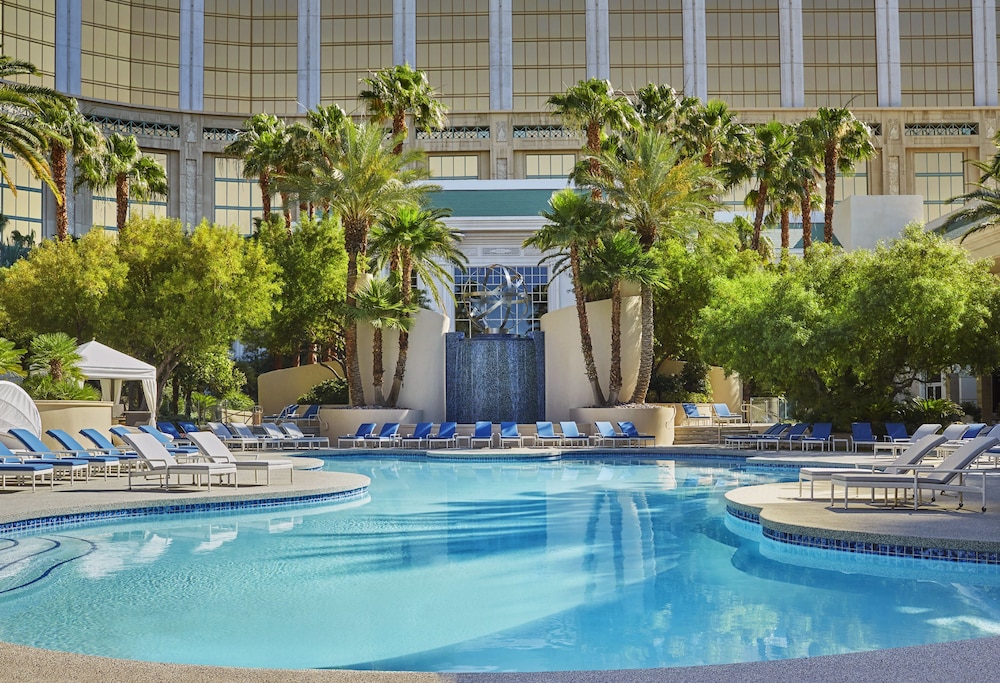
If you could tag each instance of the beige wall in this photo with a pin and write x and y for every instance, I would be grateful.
(566, 384)
(279, 388)
(861, 221)
(72, 416)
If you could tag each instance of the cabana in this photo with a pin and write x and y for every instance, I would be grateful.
(112, 367)
(18, 411)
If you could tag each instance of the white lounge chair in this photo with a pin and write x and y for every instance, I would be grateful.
(162, 464)
(301, 439)
(215, 451)
(911, 456)
(950, 475)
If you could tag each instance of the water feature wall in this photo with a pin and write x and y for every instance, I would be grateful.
(497, 377)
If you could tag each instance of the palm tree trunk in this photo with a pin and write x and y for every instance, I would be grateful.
(645, 348)
(615, 382)
(378, 371)
(758, 218)
(807, 223)
(586, 341)
(594, 147)
(830, 167)
(355, 390)
(121, 200)
(406, 294)
(286, 212)
(59, 177)
(265, 194)
(784, 234)
(399, 128)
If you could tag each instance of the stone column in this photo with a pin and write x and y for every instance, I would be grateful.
(790, 49)
(501, 56)
(69, 17)
(695, 49)
(191, 78)
(598, 40)
(404, 32)
(887, 53)
(984, 52)
(308, 55)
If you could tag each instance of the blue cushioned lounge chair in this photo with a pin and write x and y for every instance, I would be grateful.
(629, 429)
(12, 467)
(723, 414)
(571, 434)
(545, 434)
(896, 431)
(77, 450)
(792, 435)
(510, 435)
(482, 434)
(421, 431)
(365, 430)
(445, 435)
(740, 440)
(64, 466)
(609, 436)
(387, 436)
(819, 434)
(168, 443)
(36, 445)
(861, 435)
(691, 412)
(106, 445)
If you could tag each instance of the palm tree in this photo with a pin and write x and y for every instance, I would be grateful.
(261, 145)
(618, 258)
(378, 303)
(10, 358)
(591, 106)
(415, 240)
(66, 131)
(806, 157)
(363, 181)
(573, 224)
(122, 166)
(712, 133)
(55, 354)
(394, 92)
(21, 133)
(982, 204)
(659, 107)
(845, 141)
(659, 193)
(768, 156)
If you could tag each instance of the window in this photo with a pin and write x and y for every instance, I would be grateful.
(23, 212)
(237, 199)
(939, 176)
(548, 165)
(454, 167)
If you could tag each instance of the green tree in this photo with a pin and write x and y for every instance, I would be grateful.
(841, 334)
(617, 258)
(712, 133)
(845, 141)
(768, 154)
(10, 358)
(54, 363)
(415, 240)
(573, 224)
(660, 108)
(363, 181)
(67, 132)
(592, 106)
(378, 303)
(394, 92)
(807, 155)
(21, 132)
(261, 145)
(123, 167)
(658, 194)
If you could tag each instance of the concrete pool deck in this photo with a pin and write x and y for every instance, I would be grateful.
(777, 503)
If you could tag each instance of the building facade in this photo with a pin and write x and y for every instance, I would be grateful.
(183, 75)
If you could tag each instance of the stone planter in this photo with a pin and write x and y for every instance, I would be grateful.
(336, 421)
(654, 419)
(72, 416)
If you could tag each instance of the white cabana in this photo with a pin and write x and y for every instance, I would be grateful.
(112, 367)
(17, 410)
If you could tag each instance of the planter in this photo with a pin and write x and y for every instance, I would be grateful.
(72, 416)
(654, 419)
(336, 421)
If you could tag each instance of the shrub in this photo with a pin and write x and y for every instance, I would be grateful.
(43, 388)
(331, 391)
(238, 401)
(917, 411)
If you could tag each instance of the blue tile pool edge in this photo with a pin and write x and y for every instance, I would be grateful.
(863, 547)
(74, 518)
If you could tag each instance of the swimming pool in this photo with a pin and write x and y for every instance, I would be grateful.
(476, 567)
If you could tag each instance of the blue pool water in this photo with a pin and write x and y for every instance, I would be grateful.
(478, 567)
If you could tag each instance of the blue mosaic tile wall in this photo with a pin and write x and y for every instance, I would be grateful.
(495, 377)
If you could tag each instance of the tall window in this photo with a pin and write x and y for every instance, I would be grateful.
(850, 185)
(355, 40)
(548, 165)
(939, 177)
(28, 31)
(486, 300)
(453, 47)
(935, 52)
(838, 43)
(237, 199)
(646, 42)
(458, 167)
(550, 52)
(106, 208)
(24, 211)
(743, 59)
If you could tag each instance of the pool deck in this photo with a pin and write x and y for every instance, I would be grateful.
(940, 524)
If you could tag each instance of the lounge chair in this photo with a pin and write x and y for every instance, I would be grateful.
(188, 427)
(161, 463)
(103, 444)
(954, 432)
(365, 430)
(38, 447)
(240, 430)
(629, 429)
(510, 434)
(913, 454)
(227, 437)
(482, 434)
(546, 434)
(292, 431)
(309, 418)
(862, 435)
(793, 434)
(12, 467)
(950, 475)
(167, 443)
(740, 440)
(691, 412)
(285, 413)
(820, 433)
(896, 431)
(723, 414)
(974, 429)
(276, 437)
(75, 449)
(895, 446)
(608, 435)
(170, 429)
(64, 466)
(571, 434)
(215, 451)
(415, 439)
(445, 435)
(387, 436)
